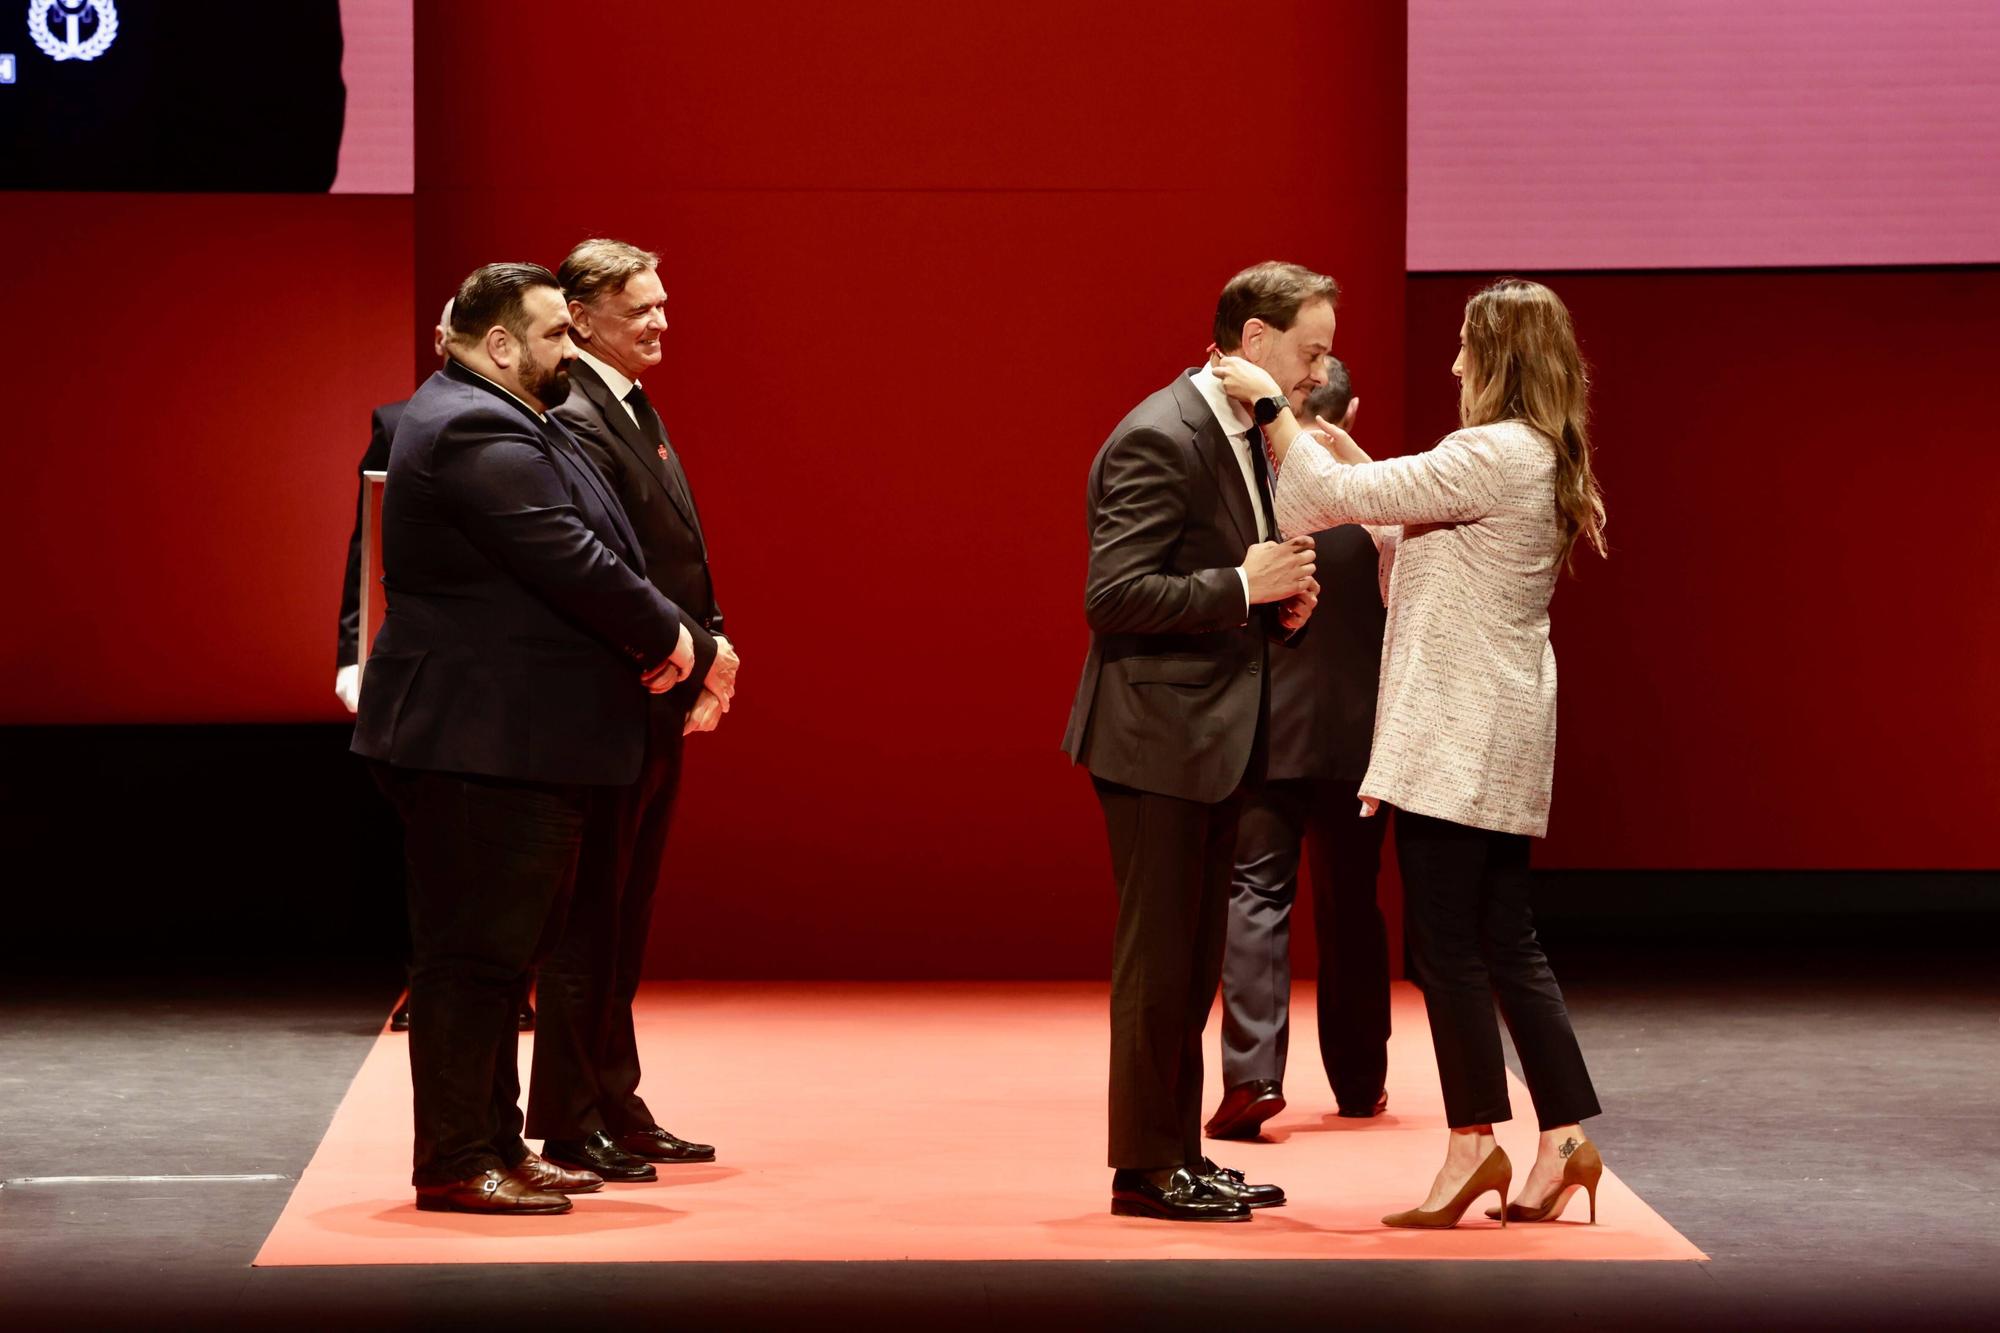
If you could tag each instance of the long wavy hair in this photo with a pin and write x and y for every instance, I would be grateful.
(1523, 365)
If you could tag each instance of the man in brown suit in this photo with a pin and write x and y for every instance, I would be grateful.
(1186, 584)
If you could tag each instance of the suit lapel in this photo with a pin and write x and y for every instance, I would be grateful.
(667, 471)
(571, 454)
(1219, 453)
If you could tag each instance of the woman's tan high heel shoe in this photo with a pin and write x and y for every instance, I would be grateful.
(1496, 1173)
(1582, 1169)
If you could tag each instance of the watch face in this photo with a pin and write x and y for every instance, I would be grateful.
(1267, 410)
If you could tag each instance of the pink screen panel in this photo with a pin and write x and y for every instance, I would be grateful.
(378, 145)
(1703, 133)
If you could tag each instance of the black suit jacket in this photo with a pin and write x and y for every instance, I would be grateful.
(660, 505)
(1323, 682)
(1174, 692)
(381, 430)
(519, 618)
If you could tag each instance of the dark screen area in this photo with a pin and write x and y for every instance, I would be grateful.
(226, 95)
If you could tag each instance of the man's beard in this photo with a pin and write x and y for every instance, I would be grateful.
(551, 386)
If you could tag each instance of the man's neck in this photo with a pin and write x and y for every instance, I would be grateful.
(600, 361)
(492, 375)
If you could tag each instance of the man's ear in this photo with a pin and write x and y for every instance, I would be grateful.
(1353, 411)
(579, 320)
(1253, 339)
(500, 347)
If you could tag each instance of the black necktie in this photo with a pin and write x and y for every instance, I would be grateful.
(655, 433)
(1261, 465)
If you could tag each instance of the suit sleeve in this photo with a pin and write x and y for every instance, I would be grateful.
(1135, 524)
(510, 504)
(1456, 482)
(613, 464)
(348, 648)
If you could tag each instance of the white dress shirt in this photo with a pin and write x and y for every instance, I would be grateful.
(617, 383)
(1241, 428)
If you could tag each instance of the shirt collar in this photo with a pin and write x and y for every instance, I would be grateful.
(1234, 417)
(539, 416)
(617, 383)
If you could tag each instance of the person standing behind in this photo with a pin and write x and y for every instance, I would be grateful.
(583, 1096)
(1186, 580)
(1322, 715)
(1465, 733)
(508, 680)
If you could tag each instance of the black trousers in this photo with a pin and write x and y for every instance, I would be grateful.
(586, 1070)
(491, 864)
(1472, 937)
(1171, 860)
(1277, 821)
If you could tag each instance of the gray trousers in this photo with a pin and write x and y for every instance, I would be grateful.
(1353, 942)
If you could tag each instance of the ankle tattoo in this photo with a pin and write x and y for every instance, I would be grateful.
(1569, 1146)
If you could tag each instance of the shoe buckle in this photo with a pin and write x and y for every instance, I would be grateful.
(488, 1185)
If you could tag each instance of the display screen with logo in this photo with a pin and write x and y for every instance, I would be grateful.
(206, 95)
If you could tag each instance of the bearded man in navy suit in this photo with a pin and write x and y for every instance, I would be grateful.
(508, 683)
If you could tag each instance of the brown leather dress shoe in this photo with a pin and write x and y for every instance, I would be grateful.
(546, 1175)
(1245, 1108)
(489, 1192)
(657, 1145)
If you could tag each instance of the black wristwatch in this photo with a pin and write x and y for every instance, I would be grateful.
(1267, 409)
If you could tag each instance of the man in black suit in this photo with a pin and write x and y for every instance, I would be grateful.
(508, 681)
(583, 1096)
(1322, 720)
(347, 650)
(1186, 581)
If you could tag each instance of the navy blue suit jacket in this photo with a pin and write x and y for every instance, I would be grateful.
(519, 615)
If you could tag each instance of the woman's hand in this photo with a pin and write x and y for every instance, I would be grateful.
(1337, 442)
(1241, 379)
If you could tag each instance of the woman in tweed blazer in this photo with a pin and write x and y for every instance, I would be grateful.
(1474, 533)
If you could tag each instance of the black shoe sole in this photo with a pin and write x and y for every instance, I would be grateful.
(674, 1161)
(1121, 1207)
(610, 1175)
(1251, 1123)
(429, 1204)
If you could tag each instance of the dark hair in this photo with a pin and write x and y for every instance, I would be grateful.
(1272, 292)
(1330, 399)
(493, 294)
(600, 267)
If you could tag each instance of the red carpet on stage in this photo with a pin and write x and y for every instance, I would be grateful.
(924, 1121)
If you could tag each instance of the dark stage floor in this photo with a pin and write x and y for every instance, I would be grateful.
(1818, 1125)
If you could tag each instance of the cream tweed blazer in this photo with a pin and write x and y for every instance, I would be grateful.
(1465, 724)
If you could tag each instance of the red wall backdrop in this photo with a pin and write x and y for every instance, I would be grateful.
(1790, 659)
(188, 381)
(920, 260)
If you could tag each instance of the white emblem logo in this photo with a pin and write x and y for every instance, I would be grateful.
(73, 29)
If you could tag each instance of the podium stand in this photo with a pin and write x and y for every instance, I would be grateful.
(372, 601)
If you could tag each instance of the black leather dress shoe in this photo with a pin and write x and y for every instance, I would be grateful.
(1185, 1197)
(600, 1156)
(1380, 1105)
(490, 1192)
(400, 1020)
(525, 1019)
(657, 1145)
(1245, 1108)
(1230, 1184)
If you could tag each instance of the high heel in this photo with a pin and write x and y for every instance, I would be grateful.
(1496, 1173)
(1582, 1169)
